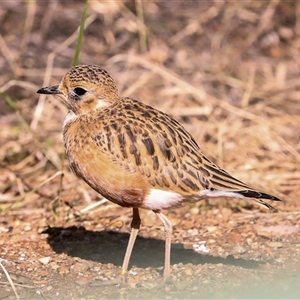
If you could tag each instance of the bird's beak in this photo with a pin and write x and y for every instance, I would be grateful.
(52, 90)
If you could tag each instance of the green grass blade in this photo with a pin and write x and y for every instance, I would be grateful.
(81, 32)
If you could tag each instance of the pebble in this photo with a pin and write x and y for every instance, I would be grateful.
(45, 260)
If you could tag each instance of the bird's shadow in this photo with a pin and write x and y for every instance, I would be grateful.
(109, 247)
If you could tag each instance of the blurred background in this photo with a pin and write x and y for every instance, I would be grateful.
(227, 70)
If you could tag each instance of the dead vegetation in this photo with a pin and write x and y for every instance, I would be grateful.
(229, 72)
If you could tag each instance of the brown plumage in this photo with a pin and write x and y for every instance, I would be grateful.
(135, 155)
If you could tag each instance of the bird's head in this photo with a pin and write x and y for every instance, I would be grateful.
(85, 88)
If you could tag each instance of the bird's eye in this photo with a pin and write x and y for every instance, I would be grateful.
(79, 91)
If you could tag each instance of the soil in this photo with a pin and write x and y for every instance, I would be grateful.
(229, 73)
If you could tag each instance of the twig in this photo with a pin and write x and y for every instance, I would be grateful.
(31, 8)
(9, 278)
(141, 29)
(9, 57)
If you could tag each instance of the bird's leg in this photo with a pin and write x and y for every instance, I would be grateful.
(135, 226)
(168, 231)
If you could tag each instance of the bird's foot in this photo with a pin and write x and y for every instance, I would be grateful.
(121, 281)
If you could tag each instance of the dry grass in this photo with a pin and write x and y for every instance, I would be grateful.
(228, 72)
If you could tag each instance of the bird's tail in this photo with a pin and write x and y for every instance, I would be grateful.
(258, 196)
(220, 183)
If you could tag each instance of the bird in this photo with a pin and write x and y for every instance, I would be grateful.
(137, 156)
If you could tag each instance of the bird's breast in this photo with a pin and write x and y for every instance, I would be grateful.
(121, 185)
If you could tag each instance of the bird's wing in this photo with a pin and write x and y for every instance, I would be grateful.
(143, 139)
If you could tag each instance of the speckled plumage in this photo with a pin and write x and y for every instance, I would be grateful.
(132, 153)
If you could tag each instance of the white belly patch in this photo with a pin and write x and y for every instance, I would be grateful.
(158, 199)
